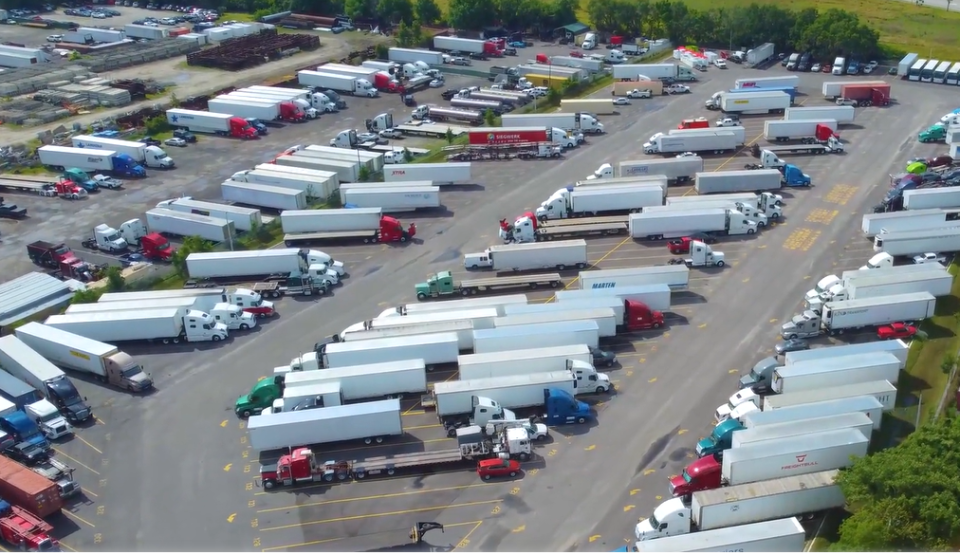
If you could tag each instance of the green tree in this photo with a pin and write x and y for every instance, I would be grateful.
(86, 296)
(470, 14)
(360, 8)
(489, 118)
(428, 11)
(906, 498)
(115, 279)
(364, 174)
(838, 31)
(564, 12)
(395, 10)
(449, 136)
(190, 245)
(409, 35)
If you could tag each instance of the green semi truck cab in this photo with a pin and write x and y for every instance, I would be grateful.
(439, 284)
(720, 439)
(936, 132)
(261, 396)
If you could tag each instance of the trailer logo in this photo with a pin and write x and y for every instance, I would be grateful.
(605, 285)
(748, 85)
(77, 354)
(741, 102)
(398, 172)
(801, 463)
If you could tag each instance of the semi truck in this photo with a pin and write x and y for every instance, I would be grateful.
(718, 142)
(595, 201)
(244, 219)
(935, 281)
(147, 155)
(762, 373)
(831, 450)
(498, 303)
(443, 283)
(250, 301)
(231, 315)
(266, 196)
(655, 296)
(500, 365)
(654, 226)
(366, 224)
(674, 277)
(105, 362)
(737, 181)
(28, 489)
(472, 46)
(369, 381)
(907, 243)
(843, 316)
(465, 402)
(866, 404)
(721, 438)
(795, 496)
(882, 390)
(840, 114)
(256, 265)
(89, 159)
(22, 362)
(630, 310)
(180, 224)
(813, 375)
(410, 55)
(434, 349)
(370, 422)
(832, 285)
(394, 199)
(592, 106)
(530, 256)
(759, 82)
(226, 125)
(314, 183)
(440, 174)
(167, 325)
(263, 110)
(347, 84)
(807, 131)
(528, 228)
(555, 334)
(478, 318)
(682, 246)
(912, 220)
(785, 535)
(676, 170)
(834, 89)
(922, 199)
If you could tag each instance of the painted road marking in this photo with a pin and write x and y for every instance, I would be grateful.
(840, 194)
(821, 216)
(378, 515)
(374, 497)
(801, 239)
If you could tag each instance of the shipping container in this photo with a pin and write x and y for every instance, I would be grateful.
(25, 488)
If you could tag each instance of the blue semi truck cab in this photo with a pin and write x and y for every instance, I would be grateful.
(562, 408)
(22, 429)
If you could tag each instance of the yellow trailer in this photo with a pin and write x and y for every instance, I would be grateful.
(552, 81)
(621, 88)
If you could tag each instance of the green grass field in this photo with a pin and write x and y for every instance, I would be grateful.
(903, 26)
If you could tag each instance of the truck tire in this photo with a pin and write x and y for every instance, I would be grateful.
(524, 456)
(751, 231)
(244, 327)
(216, 338)
(581, 420)
(719, 264)
(581, 265)
(421, 296)
(561, 267)
(554, 284)
(600, 390)
(269, 484)
(359, 475)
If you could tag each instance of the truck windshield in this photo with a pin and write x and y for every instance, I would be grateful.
(132, 371)
(62, 250)
(654, 523)
(65, 390)
(686, 477)
(113, 236)
(164, 246)
(50, 416)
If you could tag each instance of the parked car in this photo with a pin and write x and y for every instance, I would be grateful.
(677, 88)
(54, 38)
(175, 141)
(150, 141)
(929, 258)
(815, 68)
(460, 61)
(497, 468)
(896, 330)
(391, 133)
(871, 65)
(449, 93)
(621, 101)
(640, 93)
(722, 64)
(846, 102)
(602, 358)
(791, 345)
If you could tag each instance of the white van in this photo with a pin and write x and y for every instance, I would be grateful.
(838, 66)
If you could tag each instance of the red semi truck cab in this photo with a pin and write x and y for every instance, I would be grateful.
(156, 247)
(701, 474)
(241, 129)
(291, 112)
(490, 48)
(391, 231)
(637, 316)
(543, 59)
(384, 82)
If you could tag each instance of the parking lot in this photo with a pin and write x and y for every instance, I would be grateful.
(177, 459)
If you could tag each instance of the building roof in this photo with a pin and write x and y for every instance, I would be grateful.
(30, 294)
(574, 28)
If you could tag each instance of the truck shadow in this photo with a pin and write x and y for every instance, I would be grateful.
(179, 348)
(62, 525)
(851, 126)
(463, 187)
(685, 298)
(429, 213)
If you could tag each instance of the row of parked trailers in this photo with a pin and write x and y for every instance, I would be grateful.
(914, 68)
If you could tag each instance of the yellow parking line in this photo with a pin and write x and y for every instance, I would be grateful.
(374, 497)
(378, 515)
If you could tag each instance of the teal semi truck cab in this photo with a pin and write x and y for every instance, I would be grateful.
(760, 376)
(262, 395)
(719, 439)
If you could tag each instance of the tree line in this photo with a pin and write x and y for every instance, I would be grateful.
(906, 498)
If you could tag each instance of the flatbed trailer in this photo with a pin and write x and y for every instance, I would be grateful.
(564, 222)
(474, 286)
(48, 180)
(430, 130)
(390, 465)
(277, 289)
(578, 229)
(29, 186)
(794, 149)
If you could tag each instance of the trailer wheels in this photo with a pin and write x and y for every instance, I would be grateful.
(561, 267)
(359, 475)
(368, 441)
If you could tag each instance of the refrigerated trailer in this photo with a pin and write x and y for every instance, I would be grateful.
(785, 535)
(434, 349)
(557, 334)
(458, 397)
(266, 196)
(440, 174)
(605, 318)
(244, 219)
(669, 224)
(676, 277)
(347, 172)
(498, 303)
(373, 162)
(263, 110)
(836, 372)
(523, 361)
(174, 223)
(677, 170)
(480, 317)
(737, 181)
(840, 114)
(315, 183)
(779, 458)
(654, 296)
(520, 257)
(257, 264)
(912, 220)
(369, 422)
(718, 142)
(866, 404)
(882, 390)
(393, 199)
(463, 329)
(840, 317)
(167, 325)
(894, 346)
(906, 243)
(921, 199)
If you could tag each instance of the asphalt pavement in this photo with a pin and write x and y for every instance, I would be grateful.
(177, 460)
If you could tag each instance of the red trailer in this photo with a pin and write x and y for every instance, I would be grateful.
(25, 531)
(867, 95)
(509, 135)
(21, 486)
